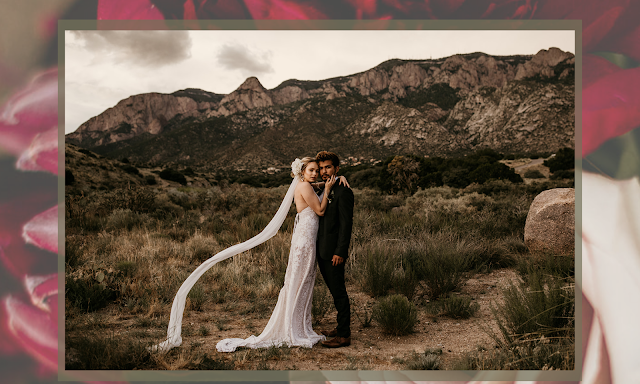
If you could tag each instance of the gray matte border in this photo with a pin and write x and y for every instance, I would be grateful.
(179, 376)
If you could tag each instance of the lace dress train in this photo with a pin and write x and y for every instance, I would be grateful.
(290, 322)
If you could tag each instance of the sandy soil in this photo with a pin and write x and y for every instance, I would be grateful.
(370, 349)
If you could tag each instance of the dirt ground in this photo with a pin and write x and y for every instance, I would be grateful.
(370, 348)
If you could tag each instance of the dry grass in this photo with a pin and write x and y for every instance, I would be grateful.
(143, 254)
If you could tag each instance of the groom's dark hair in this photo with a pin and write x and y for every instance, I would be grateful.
(325, 156)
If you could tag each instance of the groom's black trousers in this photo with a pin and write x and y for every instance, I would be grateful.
(334, 277)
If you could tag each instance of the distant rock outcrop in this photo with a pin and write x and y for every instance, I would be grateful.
(434, 107)
(550, 225)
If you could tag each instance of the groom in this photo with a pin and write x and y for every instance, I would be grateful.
(332, 248)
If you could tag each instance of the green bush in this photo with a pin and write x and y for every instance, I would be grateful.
(440, 264)
(101, 352)
(151, 180)
(458, 307)
(563, 160)
(424, 362)
(533, 174)
(564, 174)
(173, 175)
(197, 297)
(87, 294)
(396, 315)
(536, 310)
(378, 272)
(127, 268)
(320, 303)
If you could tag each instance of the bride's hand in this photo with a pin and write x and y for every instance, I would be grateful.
(329, 183)
(343, 181)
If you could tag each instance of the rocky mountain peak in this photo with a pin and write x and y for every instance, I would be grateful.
(251, 84)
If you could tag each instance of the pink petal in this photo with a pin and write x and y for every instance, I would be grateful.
(628, 44)
(35, 331)
(599, 18)
(40, 289)
(593, 33)
(42, 230)
(29, 112)
(610, 108)
(594, 68)
(128, 10)
(281, 9)
(42, 155)
(18, 258)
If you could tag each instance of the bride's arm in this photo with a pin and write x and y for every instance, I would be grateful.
(341, 179)
(311, 199)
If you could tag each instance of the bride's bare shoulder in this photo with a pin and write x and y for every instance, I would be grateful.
(303, 185)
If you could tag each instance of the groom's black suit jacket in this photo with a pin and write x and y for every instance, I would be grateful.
(334, 233)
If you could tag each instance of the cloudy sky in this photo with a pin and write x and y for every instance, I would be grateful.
(104, 67)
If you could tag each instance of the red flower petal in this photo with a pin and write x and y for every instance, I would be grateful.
(594, 68)
(628, 44)
(598, 17)
(29, 112)
(42, 155)
(42, 230)
(17, 256)
(610, 108)
(41, 289)
(34, 330)
(281, 9)
(128, 10)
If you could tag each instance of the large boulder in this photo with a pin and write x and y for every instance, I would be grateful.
(550, 225)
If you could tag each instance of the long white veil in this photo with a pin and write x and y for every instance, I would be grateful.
(175, 322)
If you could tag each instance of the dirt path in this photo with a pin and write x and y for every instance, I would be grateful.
(371, 349)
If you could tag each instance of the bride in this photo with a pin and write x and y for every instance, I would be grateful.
(290, 322)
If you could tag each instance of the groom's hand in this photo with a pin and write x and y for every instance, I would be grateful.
(337, 260)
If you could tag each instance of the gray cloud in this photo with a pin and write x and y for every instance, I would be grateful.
(144, 48)
(239, 57)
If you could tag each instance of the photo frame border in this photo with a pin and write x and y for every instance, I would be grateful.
(321, 376)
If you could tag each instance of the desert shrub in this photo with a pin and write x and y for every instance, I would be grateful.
(535, 310)
(69, 179)
(321, 302)
(458, 307)
(396, 315)
(545, 264)
(497, 171)
(96, 350)
(151, 180)
(405, 282)
(72, 252)
(127, 268)
(201, 248)
(87, 294)
(423, 362)
(563, 160)
(123, 219)
(563, 174)
(440, 264)
(378, 272)
(535, 355)
(173, 175)
(131, 169)
(196, 297)
(533, 174)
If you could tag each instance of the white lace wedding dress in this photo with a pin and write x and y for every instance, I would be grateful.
(290, 322)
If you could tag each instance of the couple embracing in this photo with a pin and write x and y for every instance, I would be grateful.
(321, 234)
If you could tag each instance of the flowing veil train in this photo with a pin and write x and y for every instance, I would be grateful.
(174, 329)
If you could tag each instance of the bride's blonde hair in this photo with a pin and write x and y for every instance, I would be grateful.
(305, 161)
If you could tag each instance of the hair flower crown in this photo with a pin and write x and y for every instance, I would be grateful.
(296, 167)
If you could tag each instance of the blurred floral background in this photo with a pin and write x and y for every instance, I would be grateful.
(28, 146)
